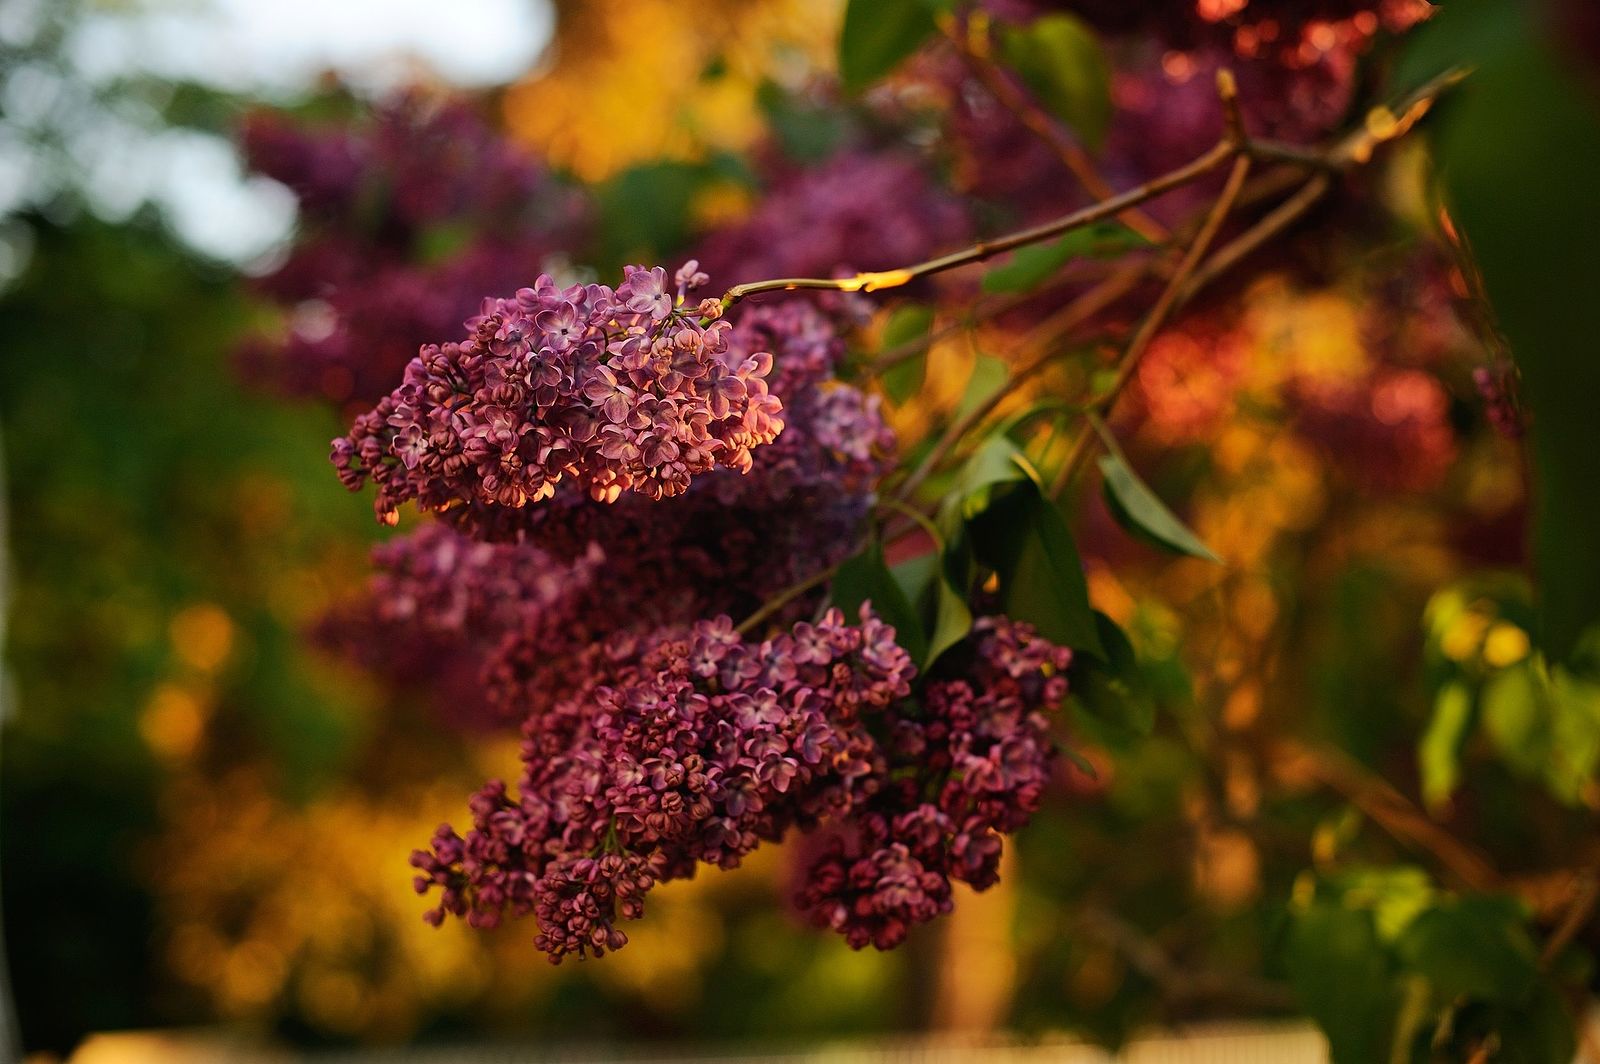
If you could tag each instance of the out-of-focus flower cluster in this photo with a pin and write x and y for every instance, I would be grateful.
(861, 209)
(1361, 372)
(406, 219)
(615, 390)
(694, 746)
(704, 61)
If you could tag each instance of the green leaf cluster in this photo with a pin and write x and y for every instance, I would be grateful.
(1394, 969)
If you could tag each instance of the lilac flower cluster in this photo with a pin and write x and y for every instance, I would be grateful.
(502, 630)
(455, 620)
(692, 746)
(617, 390)
(964, 766)
(823, 467)
(406, 218)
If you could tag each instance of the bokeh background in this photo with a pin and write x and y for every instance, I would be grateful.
(207, 803)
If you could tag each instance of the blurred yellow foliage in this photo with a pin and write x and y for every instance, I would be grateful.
(202, 636)
(266, 902)
(173, 722)
(664, 79)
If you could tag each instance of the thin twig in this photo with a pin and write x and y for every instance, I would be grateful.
(1270, 225)
(1156, 318)
(786, 596)
(1581, 906)
(1391, 810)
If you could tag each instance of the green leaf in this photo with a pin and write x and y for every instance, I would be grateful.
(865, 577)
(1439, 752)
(1516, 718)
(1138, 509)
(992, 468)
(806, 134)
(915, 576)
(1030, 266)
(1113, 696)
(952, 617)
(877, 35)
(941, 607)
(1060, 59)
(1046, 587)
(644, 210)
(1395, 894)
(1475, 946)
(988, 377)
(999, 509)
(908, 323)
(1343, 979)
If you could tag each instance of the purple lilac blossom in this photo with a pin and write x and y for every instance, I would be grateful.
(500, 631)
(615, 390)
(961, 767)
(693, 746)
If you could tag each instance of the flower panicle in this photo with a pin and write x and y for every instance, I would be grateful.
(612, 390)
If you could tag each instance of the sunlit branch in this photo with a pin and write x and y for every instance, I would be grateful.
(987, 249)
(1157, 317)
(1390, 810)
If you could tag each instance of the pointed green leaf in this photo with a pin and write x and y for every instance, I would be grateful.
(1047, 587)
(1138, 509)
(877, 35)
(932, 590)
(907, 324)
(865, 577)
(1060, 59)
(998, 508)
(1031, 266)
(952, 617)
